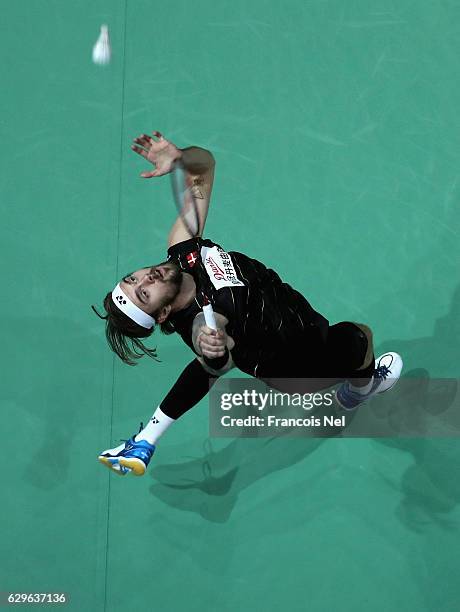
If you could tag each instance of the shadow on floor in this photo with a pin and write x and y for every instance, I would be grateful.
(210, 485)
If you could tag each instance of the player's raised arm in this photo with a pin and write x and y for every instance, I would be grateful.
(199, 166)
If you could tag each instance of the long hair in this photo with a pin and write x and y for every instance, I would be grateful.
(123, 334)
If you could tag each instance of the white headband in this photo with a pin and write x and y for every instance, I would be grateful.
(130, 309)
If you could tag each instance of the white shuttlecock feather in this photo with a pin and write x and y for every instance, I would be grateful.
(101, 50)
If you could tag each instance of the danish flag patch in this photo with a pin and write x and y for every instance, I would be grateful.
(192, 258)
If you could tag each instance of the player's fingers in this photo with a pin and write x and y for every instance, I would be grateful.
(139, 151)
(200, 338)
(158, 135)
(213, 341)
(209, 347)
(212, 354)
(149, 174)
(143, 140)
(208, 331)
(146, 138)
(209, 341)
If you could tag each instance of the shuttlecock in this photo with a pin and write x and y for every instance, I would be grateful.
(101, 50)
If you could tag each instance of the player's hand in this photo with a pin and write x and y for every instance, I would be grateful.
(212, 343)
(158, 151)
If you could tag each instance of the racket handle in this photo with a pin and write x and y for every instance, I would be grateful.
(209, 316)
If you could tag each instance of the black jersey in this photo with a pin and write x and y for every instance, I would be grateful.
(270, 322)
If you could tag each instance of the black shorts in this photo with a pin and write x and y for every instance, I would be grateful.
(335, 355)
(345, 351)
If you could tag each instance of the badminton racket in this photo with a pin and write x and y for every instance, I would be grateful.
(209, 317)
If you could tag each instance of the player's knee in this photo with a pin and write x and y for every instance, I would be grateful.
(369, 355)
(366, 330)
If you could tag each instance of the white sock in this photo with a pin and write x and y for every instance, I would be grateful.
(362, 390)
(156, 427)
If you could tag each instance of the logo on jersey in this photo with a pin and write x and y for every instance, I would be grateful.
(219, 267)
(192, 258)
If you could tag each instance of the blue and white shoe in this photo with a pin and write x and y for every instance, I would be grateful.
(133, 457)
(386, 374)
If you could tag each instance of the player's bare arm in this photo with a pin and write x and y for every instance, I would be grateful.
(199, 165)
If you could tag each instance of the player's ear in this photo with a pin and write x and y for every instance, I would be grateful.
(163, 314)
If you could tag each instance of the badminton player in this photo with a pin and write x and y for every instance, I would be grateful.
(265, 327)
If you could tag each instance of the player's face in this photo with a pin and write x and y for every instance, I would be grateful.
(154, 289)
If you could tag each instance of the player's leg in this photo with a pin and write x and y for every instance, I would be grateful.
(135, 454)
(370, 376)
(304, 367)
(369, 355)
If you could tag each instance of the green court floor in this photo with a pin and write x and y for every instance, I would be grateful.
(336, 134)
